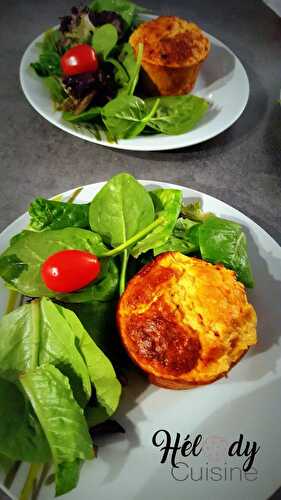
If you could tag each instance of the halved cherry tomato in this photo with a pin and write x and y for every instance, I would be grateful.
(79, 59)
(69, 270)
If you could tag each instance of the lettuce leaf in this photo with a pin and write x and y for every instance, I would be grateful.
(21, 435)
(100, 369)
(62, 420)
(48, 365)
(167, 205)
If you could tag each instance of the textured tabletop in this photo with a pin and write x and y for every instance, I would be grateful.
(242, 166)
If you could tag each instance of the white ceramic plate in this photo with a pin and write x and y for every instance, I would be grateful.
(247, 402)
(222, 80)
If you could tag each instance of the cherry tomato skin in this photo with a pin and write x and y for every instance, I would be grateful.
(79, 59)
(69, 270)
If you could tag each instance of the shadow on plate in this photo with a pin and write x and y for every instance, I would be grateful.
(129, 414)
(216, 71)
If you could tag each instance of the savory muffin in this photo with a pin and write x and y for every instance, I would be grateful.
(173, 51)
(185, 321)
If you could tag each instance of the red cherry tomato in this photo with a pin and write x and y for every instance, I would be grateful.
(80, 59)
(69, 270)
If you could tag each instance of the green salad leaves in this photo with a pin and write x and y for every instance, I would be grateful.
(57, 379)
(48, 366)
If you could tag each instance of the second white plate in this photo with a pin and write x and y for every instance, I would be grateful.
(222, 80)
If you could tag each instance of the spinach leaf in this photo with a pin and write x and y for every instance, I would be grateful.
(223, 241)
(44, 353)
(103, 288)
(167, 205)
(21, 435)
(40, 333)
(5, 462)
(182, 227)
(176, 114)
(126, 9)
(132, 66)
(62, 421)
(174, 244)
(31, 250)
(101, 372)
(184, 238)
(194, 212)
(49, 214)
(88, 116)
(98, 319)
(55, 88)
(104, 40)
(35, 334)
(126, 116)
(120, 209)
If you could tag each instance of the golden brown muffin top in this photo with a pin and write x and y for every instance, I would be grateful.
(171, 41)
(185, 319)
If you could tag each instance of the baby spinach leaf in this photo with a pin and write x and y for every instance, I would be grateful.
(182, 227)
(58, 346)
(21, 435)
(101, 371)
(98, 319)
(120, 209)
(128, 65)
(11, 267)
(194, 212)
(223, 241)
(45, 349)
(67, 476)
(184, 238)
(174, 244)
(176, 114)
(104, 40)
(132, 65)
(19, 341)
(31, 250)
(5, 462)
(50, 214)
(36, 333)
(87, 116)
(103, 288)
(167, 205)
(62, 421)
(126, 116)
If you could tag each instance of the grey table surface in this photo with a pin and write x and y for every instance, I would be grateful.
(241, 166)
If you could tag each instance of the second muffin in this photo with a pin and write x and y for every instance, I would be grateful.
(173, 51)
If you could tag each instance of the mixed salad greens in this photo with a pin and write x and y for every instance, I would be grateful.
(59, 353)
(104, 93)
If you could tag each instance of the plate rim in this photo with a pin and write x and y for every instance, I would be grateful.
(126, 144)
